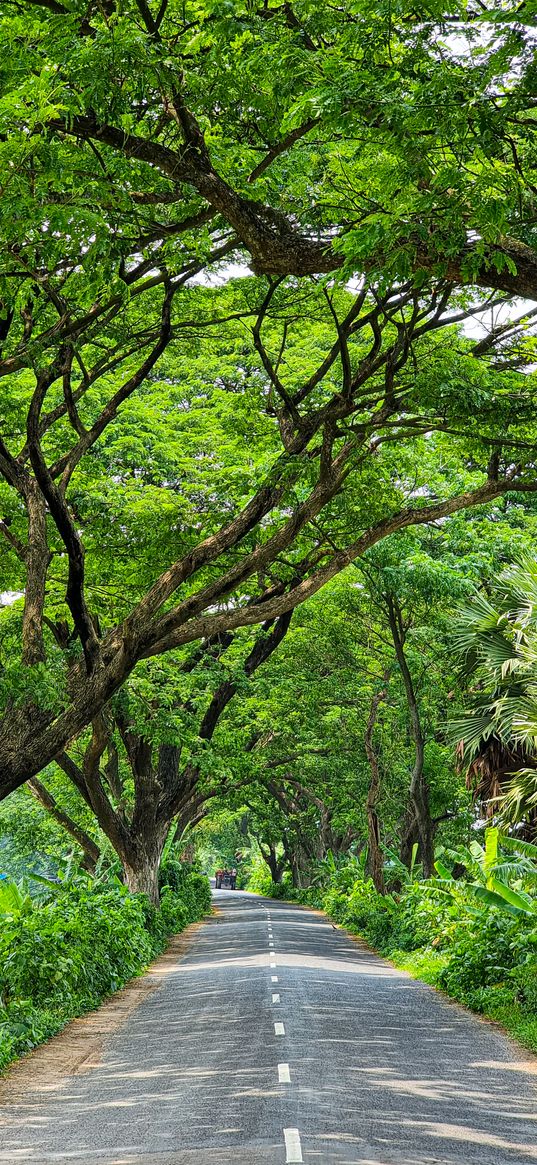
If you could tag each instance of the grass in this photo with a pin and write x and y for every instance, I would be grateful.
(497, 1003)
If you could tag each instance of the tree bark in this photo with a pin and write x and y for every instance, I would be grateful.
(37, 559)
(141, 869)
(418, 824)
(275, 864)
(375, 854)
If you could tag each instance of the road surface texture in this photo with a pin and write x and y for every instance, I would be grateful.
(278, 1039)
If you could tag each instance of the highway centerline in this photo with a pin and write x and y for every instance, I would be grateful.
(293, 1148)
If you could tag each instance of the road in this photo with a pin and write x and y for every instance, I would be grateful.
(278, 1039)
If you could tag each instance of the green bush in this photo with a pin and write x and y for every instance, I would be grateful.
(63, 957)
(80, 946)
(362, 910)
(525, 982)
(482, 953)
(424, 915)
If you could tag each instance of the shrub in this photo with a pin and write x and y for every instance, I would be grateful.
(525, 982)
(482, 953)
(62, 957)
(424, 916)
(362, 910)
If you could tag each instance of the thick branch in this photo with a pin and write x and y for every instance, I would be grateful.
(75, 597)
(83, 839)
(209, 625)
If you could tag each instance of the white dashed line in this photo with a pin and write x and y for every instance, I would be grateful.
(284, 1076)
(279, 1029)
(293, 1148)
(275, 998)
(273, 966)
(274, 978)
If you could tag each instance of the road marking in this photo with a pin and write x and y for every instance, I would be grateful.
(293, 1148)
(273, 966)
(275, 998)
(279, 1029)
(274, 978)
(284, 1076)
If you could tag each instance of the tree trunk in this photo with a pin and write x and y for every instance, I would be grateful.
(275, 866)
(375, 855)
(418, 822)
(37, 559)
(142, 869)
(298, 862)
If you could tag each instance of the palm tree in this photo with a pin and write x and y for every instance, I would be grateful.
(496, 737)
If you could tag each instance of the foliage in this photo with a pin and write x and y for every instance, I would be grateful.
(246, 250)
(496, 638)
(62, 957)
(233, 355)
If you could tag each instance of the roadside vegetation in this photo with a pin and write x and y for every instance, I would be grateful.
(415, 827)
(77, 940)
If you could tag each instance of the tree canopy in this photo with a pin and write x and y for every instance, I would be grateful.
(247, 252)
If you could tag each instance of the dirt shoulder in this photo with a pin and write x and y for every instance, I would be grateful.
(79, 1047)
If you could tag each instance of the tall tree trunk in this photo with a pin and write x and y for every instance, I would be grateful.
(418, 824)
(375, 855)
(298, 862)
(141, 868)
(274, 864)
(37, 558)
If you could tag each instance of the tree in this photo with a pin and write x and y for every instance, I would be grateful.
(496, 640)
(314, 137)
(146, 766)
(129, 154)
(324, 749)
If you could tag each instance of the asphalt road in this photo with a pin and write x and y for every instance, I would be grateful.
(278, 1039)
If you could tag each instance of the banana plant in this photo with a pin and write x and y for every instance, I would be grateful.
(492, 876)
(396, 868)
(14, 900)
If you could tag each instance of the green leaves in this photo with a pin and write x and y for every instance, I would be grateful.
(14, 902)
(498, 643)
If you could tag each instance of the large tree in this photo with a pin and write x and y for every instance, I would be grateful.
(144, 146)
